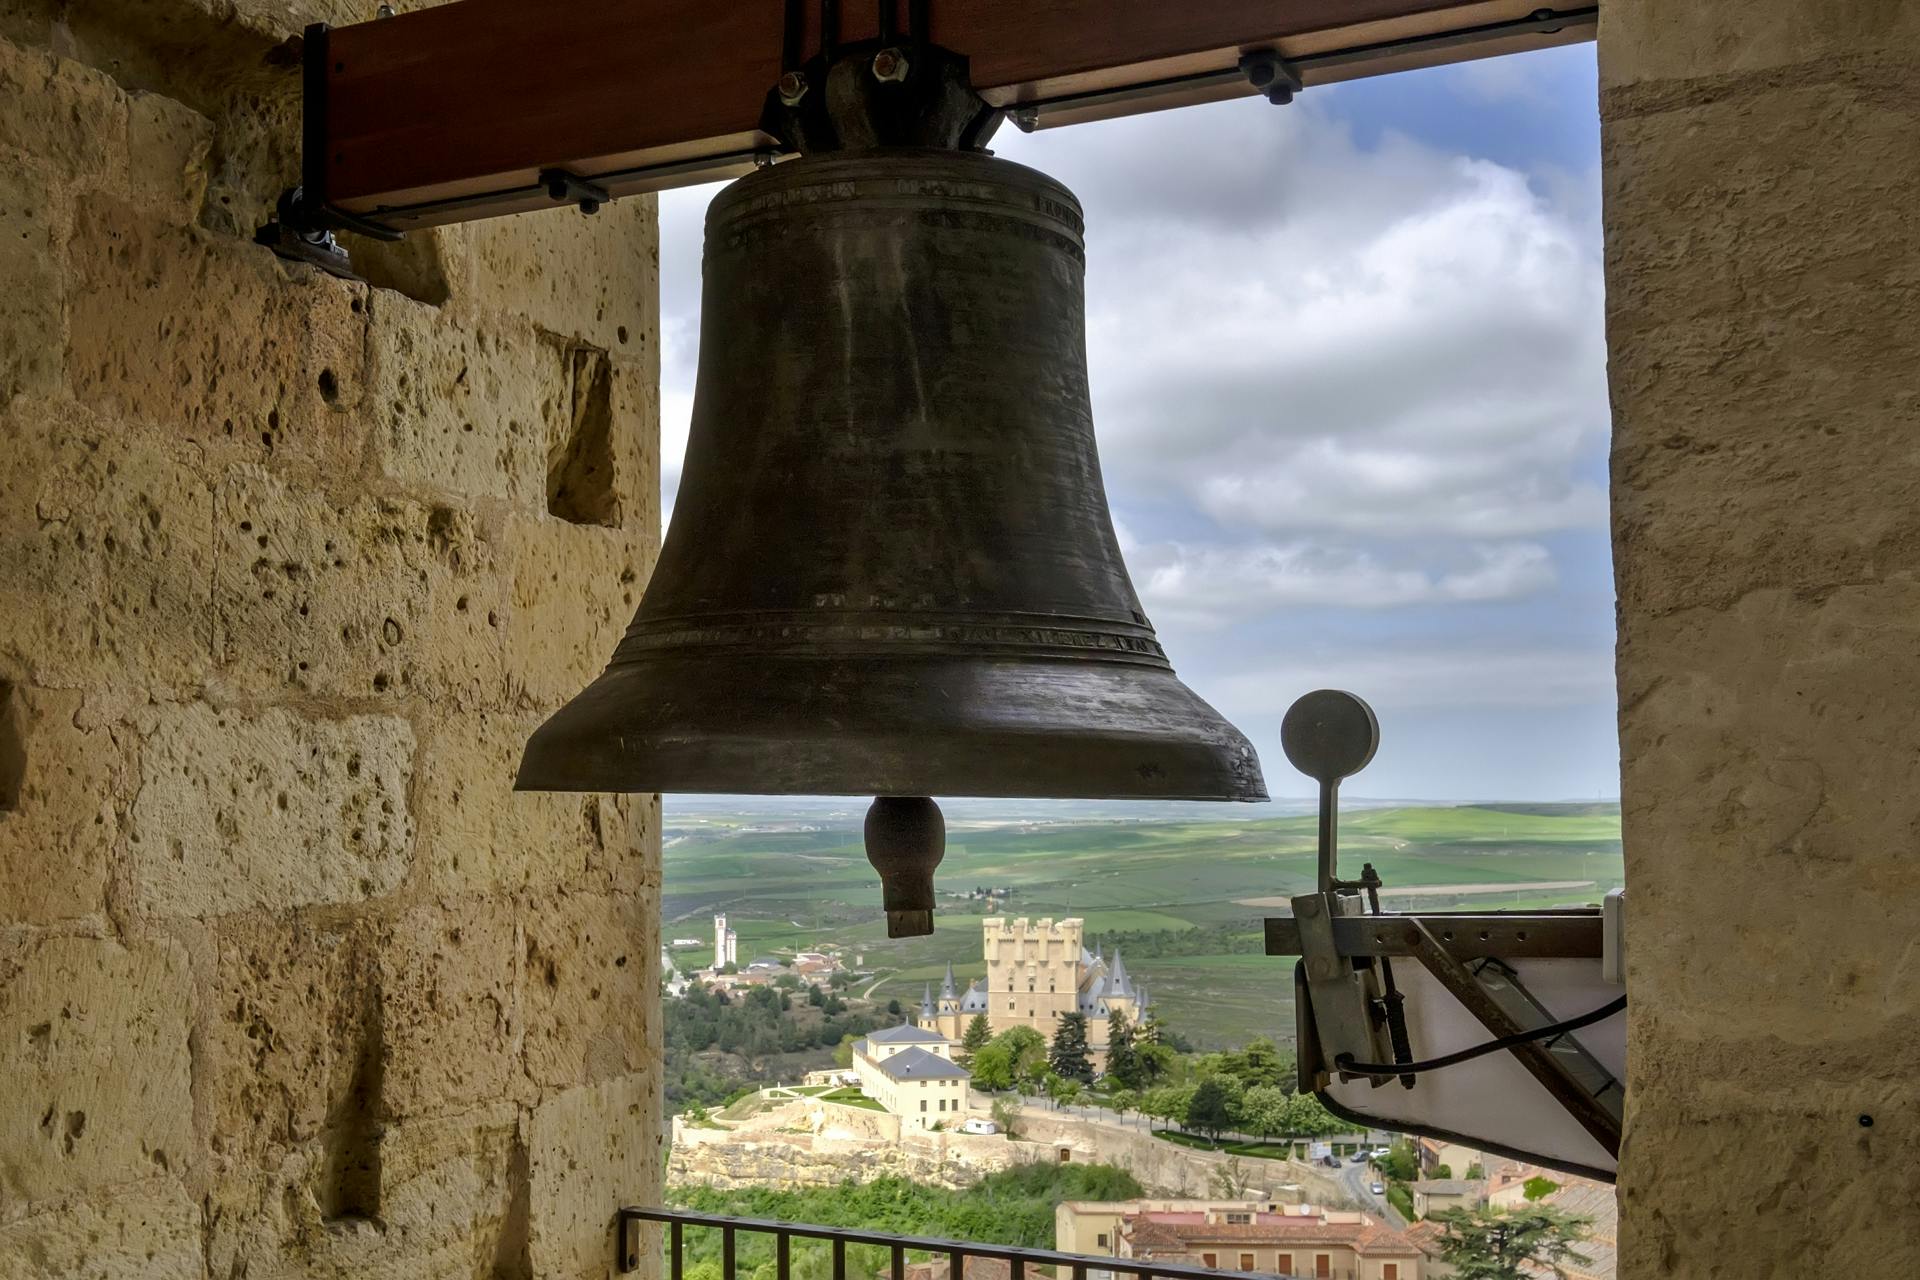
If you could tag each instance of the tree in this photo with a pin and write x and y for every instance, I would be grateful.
(993, 1068)
(976, 1037)
(1069, 1058)
(1510, 1244)
(1027, 1050)
(843, 1052)
(1399, 1163)
(1475, 1172)
(1258, 1064)
(1210, 1110)
(893, 1007)
(1538, 1187)
(1264, 1111)
(1006, 1114)
(1442, 1171)
(1123, 1063)
(1228, 1181)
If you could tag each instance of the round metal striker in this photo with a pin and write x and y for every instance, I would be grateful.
(1329, 734)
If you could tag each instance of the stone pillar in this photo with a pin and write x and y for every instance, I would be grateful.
(291, 983)
(1762, 169)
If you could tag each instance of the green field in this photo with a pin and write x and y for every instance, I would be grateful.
(799, 879)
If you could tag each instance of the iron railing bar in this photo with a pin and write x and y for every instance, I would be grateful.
(674, 1230)
(899, 1263)
(926, 1244)
(957, 1265)
(726, 1253)
(839, 1259)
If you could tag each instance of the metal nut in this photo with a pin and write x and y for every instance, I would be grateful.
(792, 88)
(890, 65)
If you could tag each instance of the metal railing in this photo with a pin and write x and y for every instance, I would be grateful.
(1066, 1266)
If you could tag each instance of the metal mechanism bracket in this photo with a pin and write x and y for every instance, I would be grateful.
(1352, 1021)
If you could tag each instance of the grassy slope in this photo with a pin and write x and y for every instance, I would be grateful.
(789, 889)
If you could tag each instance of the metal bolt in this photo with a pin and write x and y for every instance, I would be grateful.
(890, 64)
(384, 11)
(1025, 119)
(792, 88)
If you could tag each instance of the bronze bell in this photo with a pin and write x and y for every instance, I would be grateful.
(891, 570)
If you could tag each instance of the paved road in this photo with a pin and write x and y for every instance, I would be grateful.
(1357, 1178)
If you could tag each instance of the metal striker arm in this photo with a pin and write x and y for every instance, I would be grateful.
(1352, 1019)
(480, 108)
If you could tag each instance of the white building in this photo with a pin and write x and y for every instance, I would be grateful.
(912, 1073)
(726, 944)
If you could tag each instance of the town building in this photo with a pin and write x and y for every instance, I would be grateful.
(1036, 972)
(1257, 1236)
(911, 1072)
(1437, 1195)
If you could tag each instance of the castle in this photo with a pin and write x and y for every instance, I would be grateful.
(1037, 971)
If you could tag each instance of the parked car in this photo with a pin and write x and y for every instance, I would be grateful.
(1378, 1188)
(1332, 1162)
(1381, 1153)
(1359, 1157)
(977, 1125)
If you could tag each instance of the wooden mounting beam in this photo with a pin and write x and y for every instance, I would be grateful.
(451, 113)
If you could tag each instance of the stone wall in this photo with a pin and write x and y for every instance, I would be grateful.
(291, 984)
(813, 1144)
(1762, 169)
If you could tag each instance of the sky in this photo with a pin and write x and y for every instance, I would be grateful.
(1349, 387)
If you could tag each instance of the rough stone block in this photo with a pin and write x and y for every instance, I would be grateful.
(215, 339)
(462, 411)
(1759, 739)
(291, 1003)
(477, 834)
(244, 811)
(93, 1047)
(168, 145)
(357, 598)
(150, 1230)
(448, 1210)
(451, 1031)
(593, 279)
(590, 1151)
(59, 824)
(63, 113)
(104, 555)
(31, 307)
(574, 590)
(587, 1000)
(1652, 40)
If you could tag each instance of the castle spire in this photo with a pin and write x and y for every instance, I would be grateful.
(1121, 987)
(947, 991)
(926, 1002)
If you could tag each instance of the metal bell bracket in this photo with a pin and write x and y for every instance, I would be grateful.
(1352, 1024)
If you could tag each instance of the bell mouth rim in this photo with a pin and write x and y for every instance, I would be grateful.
(727, 723)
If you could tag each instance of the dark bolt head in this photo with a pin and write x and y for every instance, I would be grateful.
(1866, 1122)
(890, 64)
(792, 88)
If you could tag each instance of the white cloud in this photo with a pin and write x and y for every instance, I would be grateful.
(1212, 586)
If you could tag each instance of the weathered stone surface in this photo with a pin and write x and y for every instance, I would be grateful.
(245, 811)
(69, 116)
(594, 279)
(448, 1210)
(168, 145)
(554, 651)
(463, 411)
(214, 337)
(57, 839)
(150, 1230)
(1655, 40)
(93, 1047)
(588, 1002)
(291, 1002)
(1763, 308)
(590, 1151)
(104, 554)
(478, 834)
(31, 305)
(451, 1033)
(355, 597)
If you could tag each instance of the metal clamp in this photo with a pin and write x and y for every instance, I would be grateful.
(563, 186)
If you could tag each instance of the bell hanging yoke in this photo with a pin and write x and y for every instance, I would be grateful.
(891, 570)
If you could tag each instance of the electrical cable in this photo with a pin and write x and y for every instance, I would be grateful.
(1346, 1063)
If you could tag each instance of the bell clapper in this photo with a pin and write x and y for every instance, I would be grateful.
(906, 838)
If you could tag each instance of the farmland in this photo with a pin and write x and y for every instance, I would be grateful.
(793, 875)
